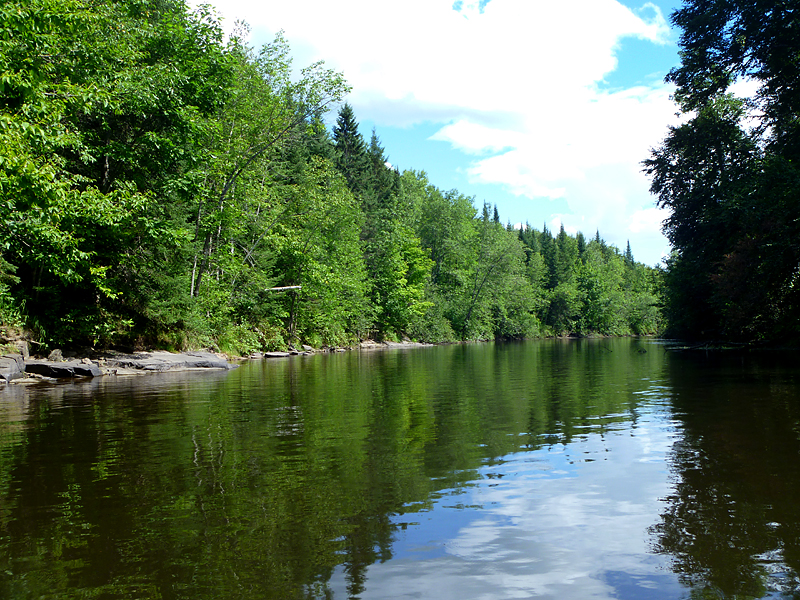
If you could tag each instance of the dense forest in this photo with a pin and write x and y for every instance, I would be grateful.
(730, 173)
(164, 185)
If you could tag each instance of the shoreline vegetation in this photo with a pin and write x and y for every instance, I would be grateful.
(167, 187)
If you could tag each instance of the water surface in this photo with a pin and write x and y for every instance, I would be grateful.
(550, 469)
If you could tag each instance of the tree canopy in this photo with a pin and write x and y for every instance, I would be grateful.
(162, 184)
(729, 173)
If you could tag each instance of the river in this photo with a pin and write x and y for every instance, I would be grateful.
(563, 469)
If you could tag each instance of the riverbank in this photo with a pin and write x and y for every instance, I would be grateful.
(20, 367)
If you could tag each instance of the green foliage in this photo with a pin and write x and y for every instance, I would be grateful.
(163, 186)
(728, 174)
(239, 340)
(350, 150)
(320, 251)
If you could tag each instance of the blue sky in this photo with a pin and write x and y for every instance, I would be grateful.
(543, 108)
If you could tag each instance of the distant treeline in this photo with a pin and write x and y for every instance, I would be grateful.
(158, 182)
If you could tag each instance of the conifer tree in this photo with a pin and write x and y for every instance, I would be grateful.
(581, 245)
(351, 151)
(629, 255)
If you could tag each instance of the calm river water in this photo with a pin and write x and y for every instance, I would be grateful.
(550, 469)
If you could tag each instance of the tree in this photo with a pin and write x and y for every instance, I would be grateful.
(629, 255)
(321, 253)
(497, 270)
(723, 41)
(728, 174)
(266, 109)
(99, 117)
(351, 151)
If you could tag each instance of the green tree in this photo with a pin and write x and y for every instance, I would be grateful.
(101, 102)
(729, 173)
(320, 252)
(267, 110)
(496, 276)
(351, 151)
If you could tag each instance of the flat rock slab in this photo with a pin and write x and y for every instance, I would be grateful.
(167, 361)
(62, 369)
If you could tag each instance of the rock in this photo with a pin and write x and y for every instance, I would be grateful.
(62, 369)
(22, 345)
(55, 356)
(167, 361)
(276, 354)
(121, 364)
(11, 367)
(307, 348)
(18, 358)
(207, 360)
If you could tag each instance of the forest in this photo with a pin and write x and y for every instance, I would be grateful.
(165, 185)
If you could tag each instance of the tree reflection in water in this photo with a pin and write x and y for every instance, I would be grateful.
(296, 479)
(732, 525)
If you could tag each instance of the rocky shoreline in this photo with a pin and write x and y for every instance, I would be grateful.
(22, 368)
(16, 368)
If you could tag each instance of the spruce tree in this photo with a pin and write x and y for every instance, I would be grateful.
(382, 181)
(581, 240)
(351, 151)
(629, 255)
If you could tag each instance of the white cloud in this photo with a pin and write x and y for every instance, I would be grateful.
(515, 84)
(647, 220)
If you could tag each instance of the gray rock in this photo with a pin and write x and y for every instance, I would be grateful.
(23, 348)
(11, 368)
(55, 356)
(18, 358)
(206, 360)
(307, 348)
(62, 369)
(167, 361)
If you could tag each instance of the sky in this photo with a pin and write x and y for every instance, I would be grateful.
(543, 108)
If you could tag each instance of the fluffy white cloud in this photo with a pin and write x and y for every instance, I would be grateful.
(516, 85)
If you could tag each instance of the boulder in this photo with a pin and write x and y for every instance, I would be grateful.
(22, 346)
(12, 367)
